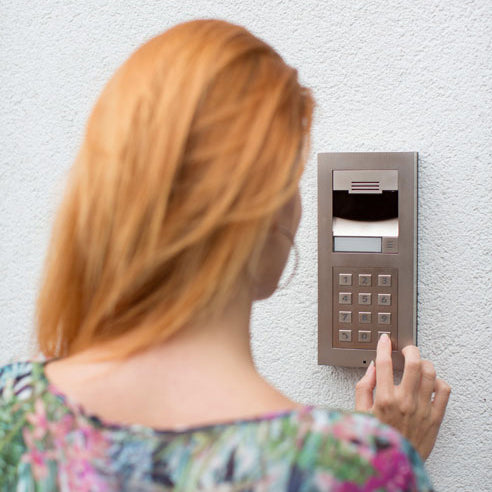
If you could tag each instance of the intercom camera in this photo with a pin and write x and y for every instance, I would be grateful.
(367, 218)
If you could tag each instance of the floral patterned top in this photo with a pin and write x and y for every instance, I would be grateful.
(48, 443)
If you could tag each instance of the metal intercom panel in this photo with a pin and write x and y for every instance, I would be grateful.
(367, 254)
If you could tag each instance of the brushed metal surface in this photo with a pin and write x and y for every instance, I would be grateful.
(404, 260)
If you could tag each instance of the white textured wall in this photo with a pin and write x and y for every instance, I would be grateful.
(388, 76)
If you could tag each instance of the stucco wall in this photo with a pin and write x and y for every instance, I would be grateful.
(388, 76)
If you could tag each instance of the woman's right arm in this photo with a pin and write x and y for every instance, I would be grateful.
(415, 407)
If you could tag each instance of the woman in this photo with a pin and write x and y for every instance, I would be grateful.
(180, 212)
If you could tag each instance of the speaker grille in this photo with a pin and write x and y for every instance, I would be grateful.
(365, 187)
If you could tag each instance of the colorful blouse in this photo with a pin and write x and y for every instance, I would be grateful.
(48, 443)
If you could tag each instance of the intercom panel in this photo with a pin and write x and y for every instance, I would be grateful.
(367, 246)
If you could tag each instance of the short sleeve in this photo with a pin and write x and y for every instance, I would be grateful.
(15, 380)
(15, 389)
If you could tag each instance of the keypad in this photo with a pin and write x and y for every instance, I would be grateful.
(364, 307)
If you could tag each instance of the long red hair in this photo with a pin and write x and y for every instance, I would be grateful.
(193, 145)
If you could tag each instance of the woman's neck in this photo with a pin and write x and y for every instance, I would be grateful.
(207, 365)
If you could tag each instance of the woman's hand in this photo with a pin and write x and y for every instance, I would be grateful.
(408, 407)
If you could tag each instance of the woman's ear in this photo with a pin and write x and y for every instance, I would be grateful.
(277, 248)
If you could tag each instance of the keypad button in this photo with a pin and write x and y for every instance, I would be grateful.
(384, 318)
(365, 279)
(344, 335)
(345, 316)
(364, 298)
(364, 336)
(345, 279)
(364, 317)
(384, 299)
(345, 298)
(384, 280)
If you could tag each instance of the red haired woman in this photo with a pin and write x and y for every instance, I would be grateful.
(180, 212)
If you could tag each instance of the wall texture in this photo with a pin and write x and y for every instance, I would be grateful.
(387, 76)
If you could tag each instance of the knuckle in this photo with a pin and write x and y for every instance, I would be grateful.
(414, 365)
(428, 370)
(411, 349)
(407, 405)
(445, 387)
(406, 348)
(384, 402)
(361, 385)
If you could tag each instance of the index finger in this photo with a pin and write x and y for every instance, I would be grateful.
(384, 365)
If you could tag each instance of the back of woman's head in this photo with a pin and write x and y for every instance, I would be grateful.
(193, 146)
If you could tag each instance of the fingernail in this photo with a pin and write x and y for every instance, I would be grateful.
(370, 366)
(384, 338)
